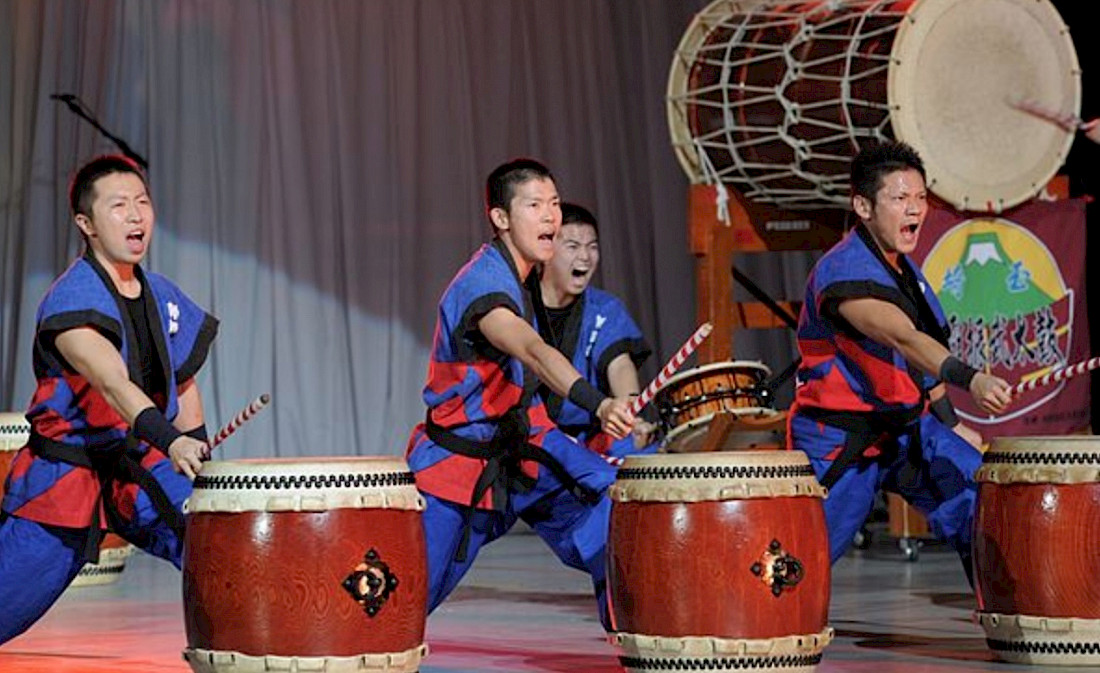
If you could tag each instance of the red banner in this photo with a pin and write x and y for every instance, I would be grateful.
(1013, 288)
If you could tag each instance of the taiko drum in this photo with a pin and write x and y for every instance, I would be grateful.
(718, 561)
(320, 564)
(1037, 549)
(703, 391)
(776, 97)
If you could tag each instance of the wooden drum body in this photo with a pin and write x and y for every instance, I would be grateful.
(776, 97)
(718, 561)
(317, 565)
(692, 398)
(1037, 549)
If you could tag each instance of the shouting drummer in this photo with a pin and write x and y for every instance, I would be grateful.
(870, 407)
(487, 453)
(117, 425)
(594, 330)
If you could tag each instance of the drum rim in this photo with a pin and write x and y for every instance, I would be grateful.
(713, 366)
(751, 457)
(310, 465)
(901, 95)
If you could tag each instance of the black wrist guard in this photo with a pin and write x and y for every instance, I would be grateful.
(198, 433)
(151, 426)
(586, 396)
(944, 412)
(957, 373)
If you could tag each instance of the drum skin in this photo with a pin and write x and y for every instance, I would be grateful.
(681, 569)
(271, 583)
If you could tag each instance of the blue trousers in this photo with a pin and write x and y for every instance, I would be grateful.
(942, 488)
(576, 532)
(38, 562)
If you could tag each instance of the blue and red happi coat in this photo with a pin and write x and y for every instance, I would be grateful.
(598, 330)
(843, 370)
(66, 409)
(471, 385)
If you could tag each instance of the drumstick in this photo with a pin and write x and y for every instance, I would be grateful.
(238, 420)
(1067, 120)
(1055, 376)
(677, 360)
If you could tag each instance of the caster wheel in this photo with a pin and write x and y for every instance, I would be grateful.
(862, 539)
(910, 548)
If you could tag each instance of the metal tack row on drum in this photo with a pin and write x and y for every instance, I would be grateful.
(305, 565)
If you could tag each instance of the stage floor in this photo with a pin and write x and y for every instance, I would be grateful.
(520, 611)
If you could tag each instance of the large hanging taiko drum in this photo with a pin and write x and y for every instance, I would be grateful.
(775, 98)
(1037, 549)
(305, 565)
(718, 562)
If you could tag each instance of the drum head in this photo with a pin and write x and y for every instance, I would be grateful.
(956, 69)
(1041, 459)
(719, 475)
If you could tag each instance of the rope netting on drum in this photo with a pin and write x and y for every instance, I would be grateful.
(776, 100)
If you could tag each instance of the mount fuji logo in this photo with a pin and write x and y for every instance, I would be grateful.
(1008, 306)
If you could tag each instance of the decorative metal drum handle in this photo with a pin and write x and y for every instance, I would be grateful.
(371, 583)
(778, 569)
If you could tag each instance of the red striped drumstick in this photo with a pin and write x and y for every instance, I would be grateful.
(238, 420)
(1055, 376)
(1067, 120)
(639, 402)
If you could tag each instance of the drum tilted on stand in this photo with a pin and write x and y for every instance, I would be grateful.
(776, 97)
(305, 565)
(1037, 549)
(113, 551)
(691, 399)
(718, 561)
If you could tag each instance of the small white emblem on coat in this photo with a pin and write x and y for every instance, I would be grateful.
(173, 318)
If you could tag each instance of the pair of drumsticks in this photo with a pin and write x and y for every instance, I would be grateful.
(1028, 382)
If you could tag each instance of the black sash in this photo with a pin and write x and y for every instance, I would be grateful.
(503, 469)
(122, 465)
(867, 429)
